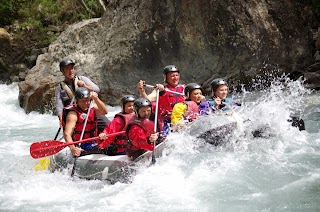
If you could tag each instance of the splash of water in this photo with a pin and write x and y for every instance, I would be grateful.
(278, 172)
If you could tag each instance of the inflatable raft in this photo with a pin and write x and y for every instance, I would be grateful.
(101, 166)
(214, 128)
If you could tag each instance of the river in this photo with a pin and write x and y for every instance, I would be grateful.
(277, 172)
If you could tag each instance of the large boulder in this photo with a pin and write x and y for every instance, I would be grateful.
(134, 40)
(12, 67)
(5, 52)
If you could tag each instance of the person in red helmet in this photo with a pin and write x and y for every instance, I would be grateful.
(167, 99)
(116, 145)
(140, 130)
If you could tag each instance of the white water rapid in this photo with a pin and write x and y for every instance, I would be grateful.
(278, 172)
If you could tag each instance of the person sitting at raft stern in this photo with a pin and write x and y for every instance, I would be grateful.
(167, 100)
(75, 117)
(116, 145)
(140, 130)
(189, 110)
(65, 90)
(220, 99)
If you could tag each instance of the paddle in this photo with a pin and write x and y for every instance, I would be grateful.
(44, 163)
(166, 89)
(82, 133)
(51, 147)
(153, 158)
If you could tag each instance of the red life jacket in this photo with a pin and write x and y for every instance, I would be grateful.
(91, 127)
(65, 112)
(148, 128)
(192, 111)
(120, 142)
(168, 100)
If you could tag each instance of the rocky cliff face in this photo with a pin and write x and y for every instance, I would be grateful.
(235, 39)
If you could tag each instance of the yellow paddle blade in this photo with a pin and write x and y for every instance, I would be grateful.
(42, 165)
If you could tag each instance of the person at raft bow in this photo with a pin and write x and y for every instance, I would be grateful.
(167, 100)
(64, 93)
(219, 99)
(140, 130)
(116, 145)
(75, 117)
(188, 110)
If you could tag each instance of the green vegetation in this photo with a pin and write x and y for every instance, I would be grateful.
(37, 23)
(316, 5)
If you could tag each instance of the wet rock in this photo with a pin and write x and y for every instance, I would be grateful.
(15, 79)
(22, 76)
(32, 58)
(5, 48)
(5, 38)
(134, 40)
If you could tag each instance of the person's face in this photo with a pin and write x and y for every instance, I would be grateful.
(68, 72)
(222, 92)
(144, 112)
(128, 107)
(83, 103)
(196, 95)
(172, 78)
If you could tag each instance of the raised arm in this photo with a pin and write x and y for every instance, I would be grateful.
(153, 95)
(86, 82)
(100, 107)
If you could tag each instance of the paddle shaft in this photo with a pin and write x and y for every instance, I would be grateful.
(82, 133)
(55, 138)
(153, 158)
(167, 90)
